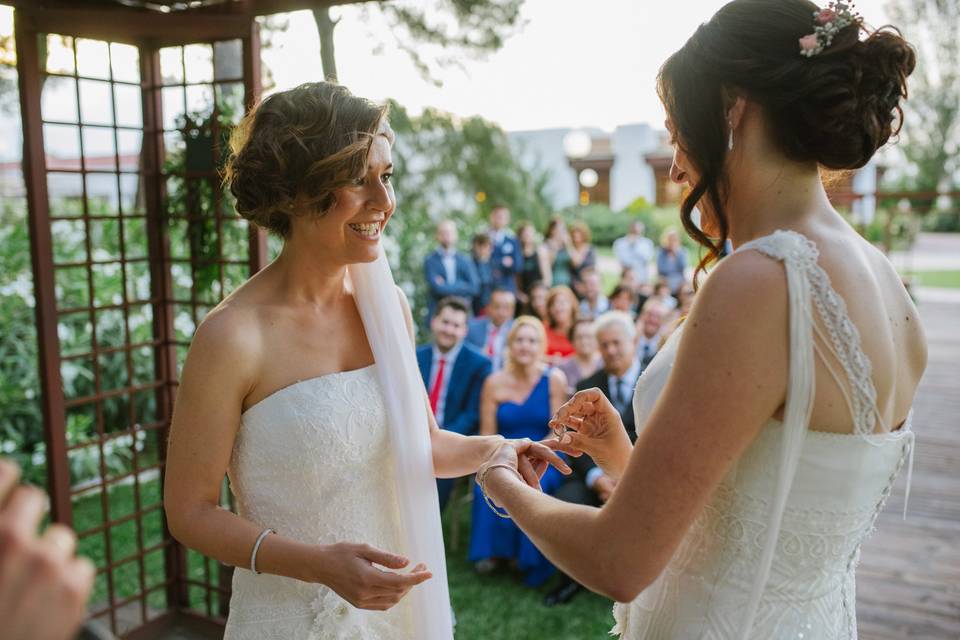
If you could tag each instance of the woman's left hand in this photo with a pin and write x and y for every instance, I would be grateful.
(529, 458)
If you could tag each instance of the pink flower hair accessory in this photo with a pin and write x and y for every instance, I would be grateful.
(826, 24)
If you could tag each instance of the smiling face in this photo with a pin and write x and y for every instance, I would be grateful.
(525, 346)
(449, 327)
(584, 340)
(349, 231)
(617, 348)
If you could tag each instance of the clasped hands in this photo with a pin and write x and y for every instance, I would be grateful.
(588, 423)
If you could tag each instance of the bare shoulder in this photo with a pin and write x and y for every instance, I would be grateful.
(739, 320)
(558, 380)
(744, 285)
(229, 341)
(494, 382)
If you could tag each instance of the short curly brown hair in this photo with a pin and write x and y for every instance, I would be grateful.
(294, 149)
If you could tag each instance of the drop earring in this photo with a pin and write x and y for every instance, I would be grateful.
(730, 139)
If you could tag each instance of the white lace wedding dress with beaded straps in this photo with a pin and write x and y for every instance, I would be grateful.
(774, 553)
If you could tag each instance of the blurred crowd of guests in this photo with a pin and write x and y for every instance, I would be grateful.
(521, 323)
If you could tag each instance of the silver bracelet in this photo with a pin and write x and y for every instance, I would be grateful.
(256, 547)
(481, 479)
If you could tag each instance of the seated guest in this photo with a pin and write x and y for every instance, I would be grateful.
(617, 339)
(675, 317)
(594, 302)
(644, 293)
(482, 252)
(585, 359)
(561, 315)
(537, 301)
(623, 299)
(453, 373)
(685, 298)
(489, 333)
(661, 293)
(649, 325)
(517, 402)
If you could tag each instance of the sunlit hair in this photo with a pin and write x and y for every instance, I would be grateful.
(518, 324)
(581, 228)
(296, 148)
(612, 319)
(667, 233)
(833, 110)
(565, 291)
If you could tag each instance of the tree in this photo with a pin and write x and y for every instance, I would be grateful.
(451, 28)
(451, 167)
(931, 131)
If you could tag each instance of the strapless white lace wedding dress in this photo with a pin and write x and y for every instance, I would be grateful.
(774, 553)
(312, 461)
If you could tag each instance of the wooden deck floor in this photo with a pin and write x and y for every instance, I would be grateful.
(908, 582)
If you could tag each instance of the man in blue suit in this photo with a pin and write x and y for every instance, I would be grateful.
(454, 373)
(506, 259)
(449, 272)
(489, 333)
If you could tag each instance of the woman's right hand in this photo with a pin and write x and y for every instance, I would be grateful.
(349, 570)
(589, 423)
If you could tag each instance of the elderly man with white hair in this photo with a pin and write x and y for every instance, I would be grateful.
(617, 341)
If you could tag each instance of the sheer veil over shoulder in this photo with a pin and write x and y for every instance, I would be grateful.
(421, 535)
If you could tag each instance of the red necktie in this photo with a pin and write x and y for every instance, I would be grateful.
(437, 383)
(492, 340)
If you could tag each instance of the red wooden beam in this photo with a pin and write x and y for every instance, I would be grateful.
(135, 26)
(41, 255)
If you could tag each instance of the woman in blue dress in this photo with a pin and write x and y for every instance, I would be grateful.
(517, 402)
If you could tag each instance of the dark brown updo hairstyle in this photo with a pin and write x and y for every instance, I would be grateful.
(294, 149)
(835, 108)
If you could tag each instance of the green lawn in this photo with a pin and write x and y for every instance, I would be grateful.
(500, 606)
(495, 606)
(949, 279)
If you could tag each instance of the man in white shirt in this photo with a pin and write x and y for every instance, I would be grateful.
(489, 333)
(594, 303)
(635, 251)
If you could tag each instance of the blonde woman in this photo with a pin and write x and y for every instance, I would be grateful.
(517, 402)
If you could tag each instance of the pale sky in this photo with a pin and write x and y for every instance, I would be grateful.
(573, 64)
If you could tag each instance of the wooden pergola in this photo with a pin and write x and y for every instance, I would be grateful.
(162, 185)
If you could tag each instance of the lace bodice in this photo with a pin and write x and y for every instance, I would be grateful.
(774, 552)
(310, 462)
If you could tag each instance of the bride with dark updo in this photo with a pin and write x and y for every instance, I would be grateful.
(773, 423)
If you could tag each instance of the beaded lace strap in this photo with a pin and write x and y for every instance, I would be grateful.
(796, 257)
(842, 339)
